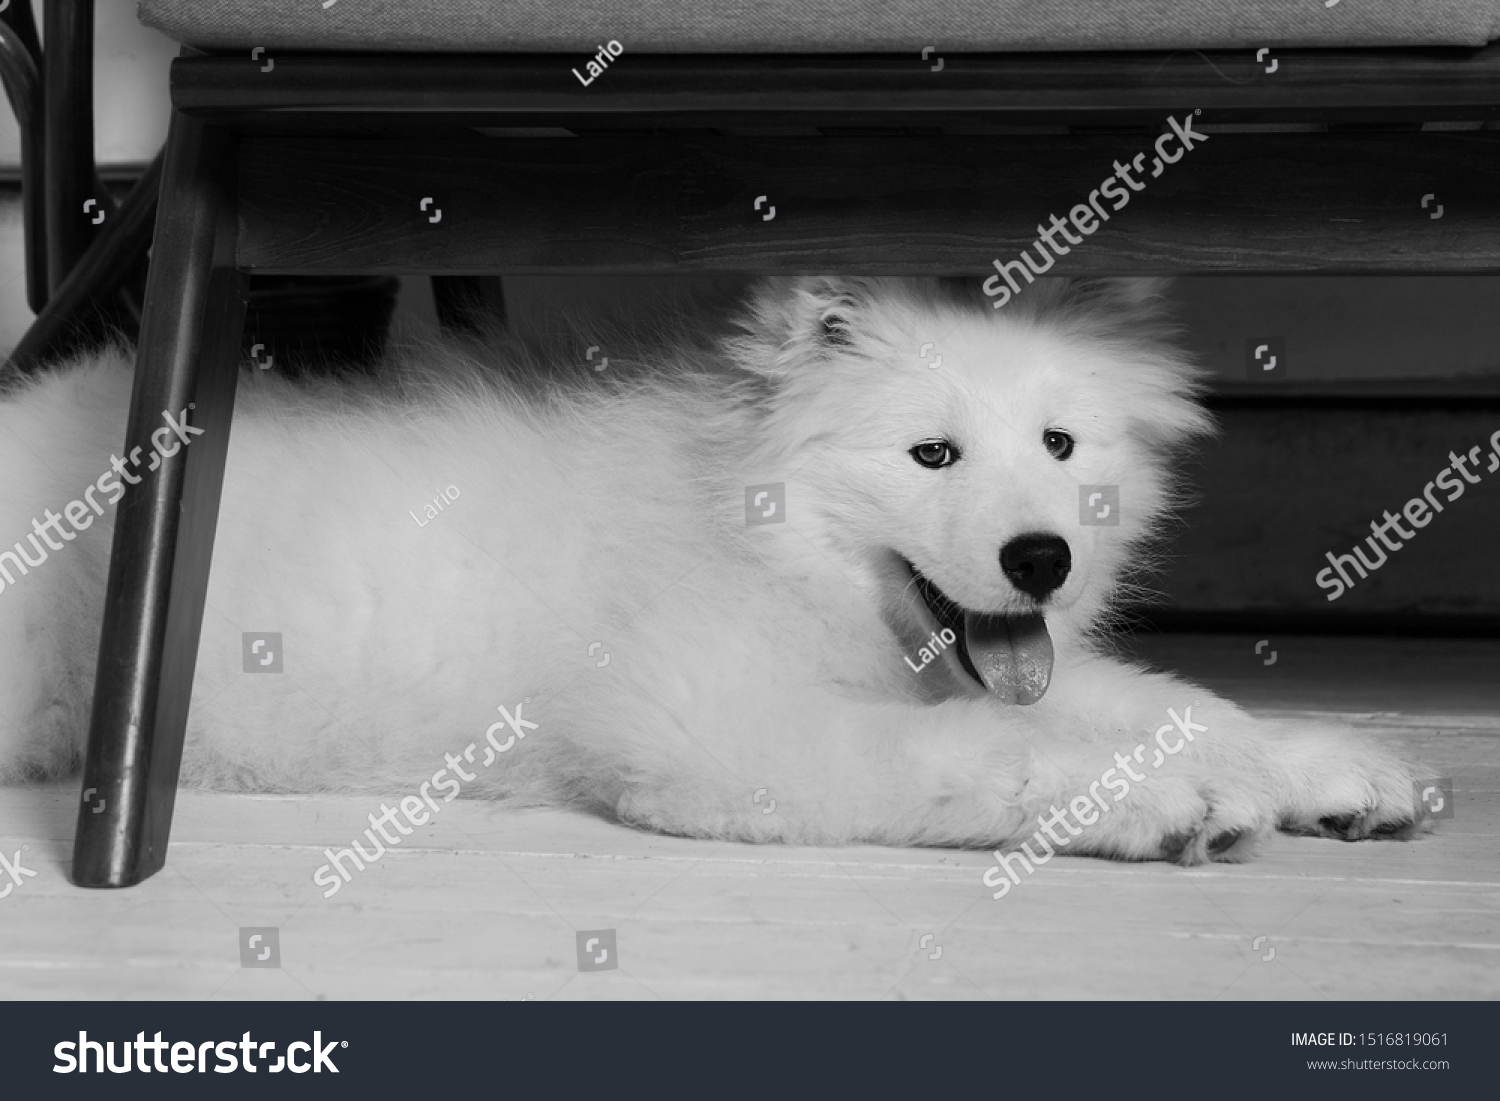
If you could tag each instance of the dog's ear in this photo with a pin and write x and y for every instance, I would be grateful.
(793, 321)
(1134, 318)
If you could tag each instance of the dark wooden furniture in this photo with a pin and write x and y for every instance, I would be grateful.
(20, 50)
(873, 164)
(66, 210)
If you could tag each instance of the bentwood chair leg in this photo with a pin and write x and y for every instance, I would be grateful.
(68, 157)
(107, 267)
(186, 367)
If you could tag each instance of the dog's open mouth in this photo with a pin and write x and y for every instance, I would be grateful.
(1010, 655)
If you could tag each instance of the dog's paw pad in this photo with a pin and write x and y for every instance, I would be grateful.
(1224, 842)
(1178, 846)
(1368, 826)
(1400, 829)
(1344, 827)
(1231, 845)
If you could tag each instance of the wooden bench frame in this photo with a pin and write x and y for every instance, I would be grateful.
(320, 165)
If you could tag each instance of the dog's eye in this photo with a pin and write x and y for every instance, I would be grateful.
(1059, 444)
(935, 454)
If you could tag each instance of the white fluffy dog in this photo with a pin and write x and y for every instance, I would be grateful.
(897, 645)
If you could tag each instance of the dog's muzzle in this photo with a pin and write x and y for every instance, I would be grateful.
(1011, 656)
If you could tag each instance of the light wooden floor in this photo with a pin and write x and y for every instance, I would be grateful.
(485, 903)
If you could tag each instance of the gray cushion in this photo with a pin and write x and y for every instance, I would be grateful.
(815, 26)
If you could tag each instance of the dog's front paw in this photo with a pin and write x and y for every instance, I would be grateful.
(1337, 783)
(1191, 818)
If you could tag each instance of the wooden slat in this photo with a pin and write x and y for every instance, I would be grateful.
(1399, 395)
(1347, 202)
(676, 91)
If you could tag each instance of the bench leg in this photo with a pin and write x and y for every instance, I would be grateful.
(188, 359)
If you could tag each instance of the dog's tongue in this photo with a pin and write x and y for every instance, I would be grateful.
(1012, 655)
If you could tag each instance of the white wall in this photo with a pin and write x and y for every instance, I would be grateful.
(131, 105)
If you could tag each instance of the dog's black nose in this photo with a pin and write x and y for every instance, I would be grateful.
(1037, 564)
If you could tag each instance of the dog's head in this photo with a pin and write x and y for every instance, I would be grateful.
(995, 474)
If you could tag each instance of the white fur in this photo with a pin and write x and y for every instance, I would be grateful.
(610, 509)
